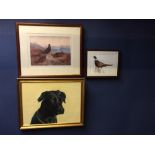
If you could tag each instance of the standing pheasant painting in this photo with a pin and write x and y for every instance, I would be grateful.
(99, 65)
(102, 63)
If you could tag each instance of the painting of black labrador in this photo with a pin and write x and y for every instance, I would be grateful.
(51, 106)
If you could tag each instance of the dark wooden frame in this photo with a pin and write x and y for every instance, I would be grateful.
(58, 125)
(55, 25)
(98, 50)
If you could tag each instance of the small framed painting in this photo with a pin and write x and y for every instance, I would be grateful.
(49, 103)
(48, 50)
(102, 63)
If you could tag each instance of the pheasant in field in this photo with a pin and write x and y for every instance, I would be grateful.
(48, 49)
(99, 65)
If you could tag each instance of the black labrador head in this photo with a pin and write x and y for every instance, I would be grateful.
(51, 104)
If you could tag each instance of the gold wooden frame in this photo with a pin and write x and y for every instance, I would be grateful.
(50, 80)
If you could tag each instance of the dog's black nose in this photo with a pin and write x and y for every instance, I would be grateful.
(64, 100)
(61, 110)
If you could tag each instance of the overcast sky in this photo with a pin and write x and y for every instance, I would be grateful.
(54, 41)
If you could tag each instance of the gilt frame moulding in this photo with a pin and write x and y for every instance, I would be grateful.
(49, 50)
(102, 63)
(70, 113)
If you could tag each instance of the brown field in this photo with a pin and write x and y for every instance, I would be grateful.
(38, 57)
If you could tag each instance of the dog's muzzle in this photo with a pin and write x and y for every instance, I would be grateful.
(61, 110)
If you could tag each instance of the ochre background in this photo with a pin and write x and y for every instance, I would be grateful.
(31, 92)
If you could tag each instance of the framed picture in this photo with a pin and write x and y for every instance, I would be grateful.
(48, 103)
(49, 50)
(102, 63)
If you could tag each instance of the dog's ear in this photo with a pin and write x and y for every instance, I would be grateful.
(62, 95)
(42, 96)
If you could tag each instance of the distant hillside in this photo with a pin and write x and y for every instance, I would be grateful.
(54, 49)
(65, 49)
(36, 46)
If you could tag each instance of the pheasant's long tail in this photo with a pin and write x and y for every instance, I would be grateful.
(108, 64)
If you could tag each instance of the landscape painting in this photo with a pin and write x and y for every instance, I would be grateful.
(50, 50)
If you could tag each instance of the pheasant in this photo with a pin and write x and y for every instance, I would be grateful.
(100, 64)
(48, 49)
